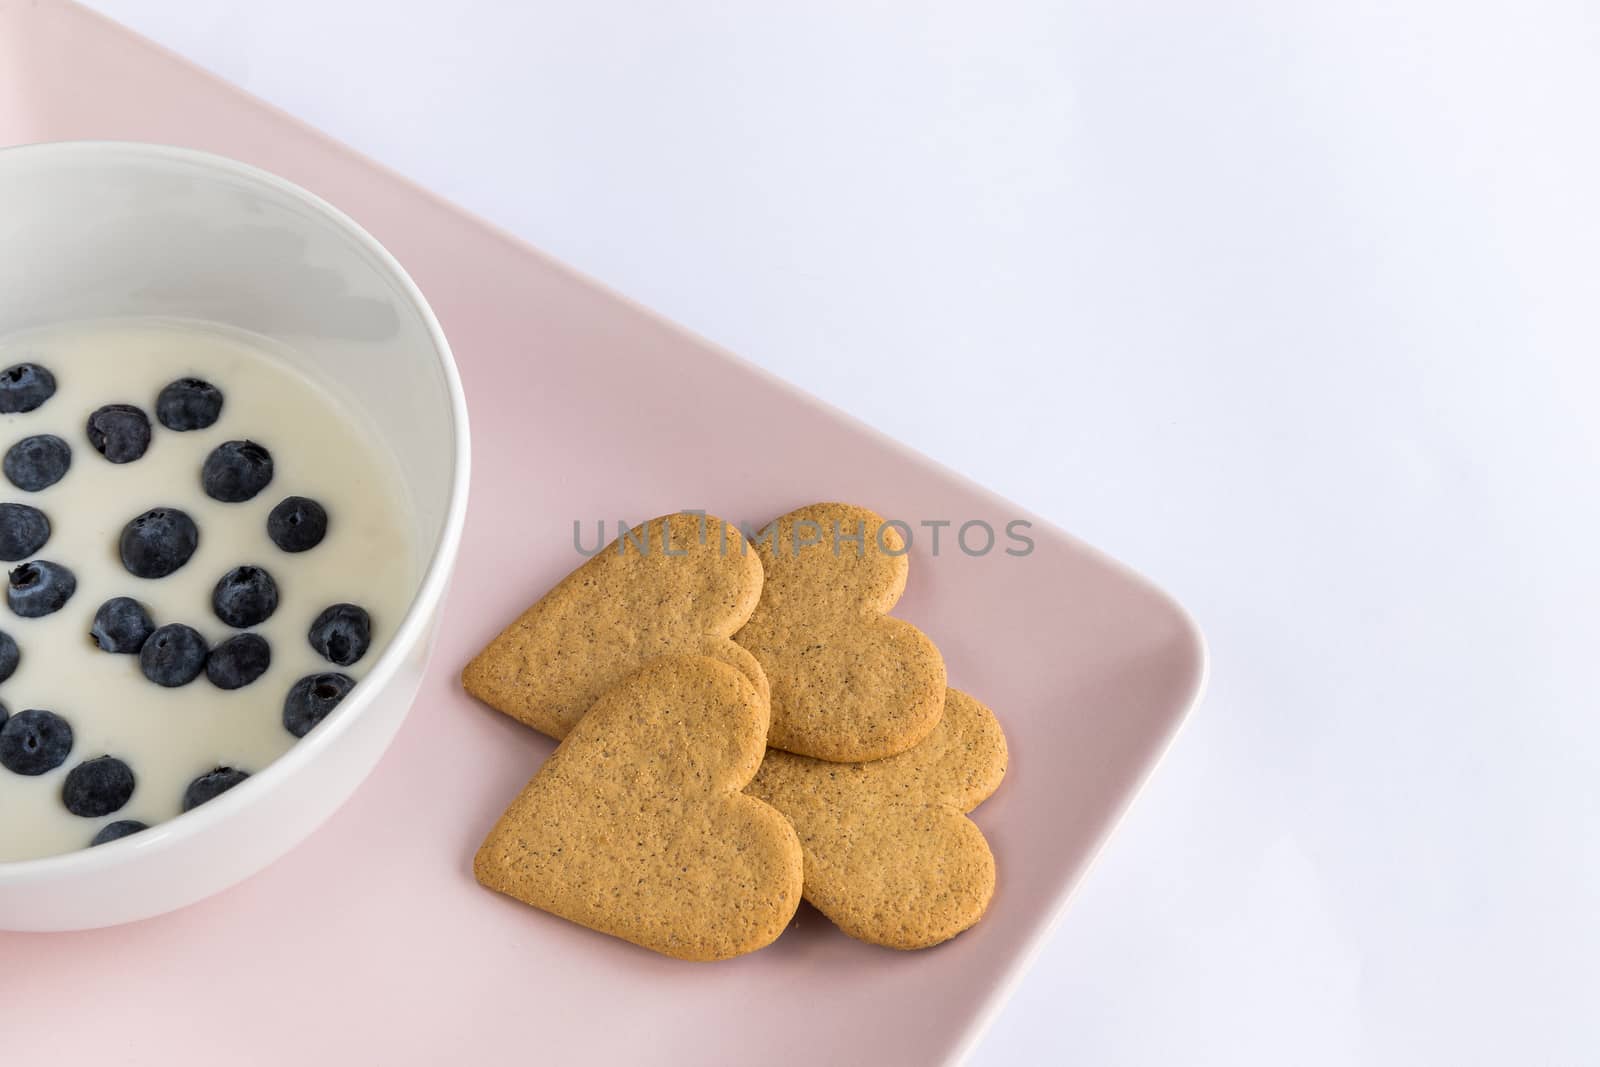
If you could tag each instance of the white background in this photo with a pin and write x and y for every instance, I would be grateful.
(1293, 306)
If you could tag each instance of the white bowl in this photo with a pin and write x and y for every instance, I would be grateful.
(104, 229)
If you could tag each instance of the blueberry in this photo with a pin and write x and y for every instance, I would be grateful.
(10, 656)
(211, 785)
(121, 625)
(40, 588)
(236, 471)
(189, 404)
(23, 531)
(119, 432)
(24, 387)
(311, 698)
(97, 787)
(246, 596)
(173, 655)
(341, 634)
(5, 713)
(37, 462)
(158, 542)
(298, 523)
(33, 742)
(238, 661)
(116, 831)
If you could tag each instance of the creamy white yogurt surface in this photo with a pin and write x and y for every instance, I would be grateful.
(321, 448)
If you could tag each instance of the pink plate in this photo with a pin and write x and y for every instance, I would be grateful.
(371, 943)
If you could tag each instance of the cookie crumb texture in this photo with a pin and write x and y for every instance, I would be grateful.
(848, 682)
(631, 602)
(890, 855)
(637, 827)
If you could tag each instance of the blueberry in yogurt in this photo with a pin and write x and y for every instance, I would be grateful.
(155, 544)
(173, 655)
(312, 698)
(341, 634)
(10, 656)
(116, 831)
(236, 471)
(97, 787)
(24, 386)
(121, 625)
(219, 540)
(37, 462)
(297, 524)
(238, 661)
(23, 531)
(119, 432)
(33, 742)
(244, 597)
(211, 785)
(39, 588)
(189, 404)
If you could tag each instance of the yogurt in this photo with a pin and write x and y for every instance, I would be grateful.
(321, 448)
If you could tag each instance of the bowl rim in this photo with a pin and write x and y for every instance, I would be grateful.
(430, 591)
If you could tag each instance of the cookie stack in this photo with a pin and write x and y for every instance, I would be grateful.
(742, 724)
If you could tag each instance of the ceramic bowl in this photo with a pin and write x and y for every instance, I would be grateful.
(97, 230)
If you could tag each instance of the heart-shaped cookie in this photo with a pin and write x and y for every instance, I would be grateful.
(676, 585)
(637, 827)
(890, 855)
(848, 682)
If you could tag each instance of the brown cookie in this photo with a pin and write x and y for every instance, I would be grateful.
(848, 682)
(676, 585)
(890, 855)
(636, 825)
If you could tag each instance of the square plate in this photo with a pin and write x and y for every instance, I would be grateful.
(371, 942)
